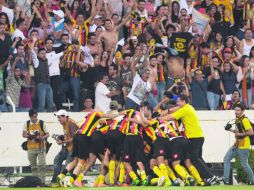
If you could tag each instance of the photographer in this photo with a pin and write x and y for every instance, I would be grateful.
(178, 88)
(69, 128)
(242, 146)
(36, 133)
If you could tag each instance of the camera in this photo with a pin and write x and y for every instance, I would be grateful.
(58, 137)
(228, 126)
(34, 136)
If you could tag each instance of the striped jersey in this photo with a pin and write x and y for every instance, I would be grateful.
(90, 124)
(119, 123)
(133, 128)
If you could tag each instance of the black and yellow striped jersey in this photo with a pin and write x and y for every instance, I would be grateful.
(90, 124)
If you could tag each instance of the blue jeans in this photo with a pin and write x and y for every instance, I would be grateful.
(74, 84)
(44, 97)
(243, 155)
(64, 154)
(249, 93)
(130, 104)
(213, 100)
(152, 100)
(170, 82)
(18, 109)
(161, 87)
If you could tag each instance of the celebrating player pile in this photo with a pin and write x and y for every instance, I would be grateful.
(143, 147)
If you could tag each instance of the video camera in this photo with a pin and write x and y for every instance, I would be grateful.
(58, 137)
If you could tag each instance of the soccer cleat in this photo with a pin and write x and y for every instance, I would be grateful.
(70, 182)
(191, 180)
(203, 183)
(135, 182)
(168, 183)
(161, 181)
(144, 182)
(78, 183)
(59, 179)
(178, 182)
(215, 180)
(55, 185)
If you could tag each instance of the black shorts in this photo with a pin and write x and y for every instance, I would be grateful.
(98, 143)
(81, 146)
(160, 147)
(133, 149)
(114, 143)
(177, 149)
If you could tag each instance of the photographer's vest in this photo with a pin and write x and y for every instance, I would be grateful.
(69, 146)
(244, 142)
(32, 128)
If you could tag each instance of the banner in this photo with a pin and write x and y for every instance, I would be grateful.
(200, 19)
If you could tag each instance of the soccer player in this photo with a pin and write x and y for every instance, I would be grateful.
(98, 139)
(115, 139)
(82, 146)
(133, 148)
(159, 140)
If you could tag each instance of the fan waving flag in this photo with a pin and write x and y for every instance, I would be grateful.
(201, 20)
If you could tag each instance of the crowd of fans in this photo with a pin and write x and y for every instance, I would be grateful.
(59, 51)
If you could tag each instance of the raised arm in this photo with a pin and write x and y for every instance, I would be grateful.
(108, 9)
(124, 20)
(34, 58)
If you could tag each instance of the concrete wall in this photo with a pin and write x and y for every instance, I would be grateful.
(217, 141)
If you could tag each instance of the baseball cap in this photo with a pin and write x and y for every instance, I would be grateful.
(59, 13)
(97, 16)
(61, 113)
(113, 104)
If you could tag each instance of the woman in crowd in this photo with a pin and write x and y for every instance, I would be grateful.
(245, 76)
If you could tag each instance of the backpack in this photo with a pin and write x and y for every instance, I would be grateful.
(29, 181)
(252, 136)
(243, 130)
(24, 144)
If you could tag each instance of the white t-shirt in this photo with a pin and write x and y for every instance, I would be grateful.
(139, 89)
(101, 100)
(53, 62)
(18, 33)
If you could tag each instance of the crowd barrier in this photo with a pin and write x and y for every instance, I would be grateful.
(217, 140)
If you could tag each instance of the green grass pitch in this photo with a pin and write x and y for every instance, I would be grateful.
(221, 187)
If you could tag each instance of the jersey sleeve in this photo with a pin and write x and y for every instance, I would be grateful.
(179, 113)
(246, 124)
